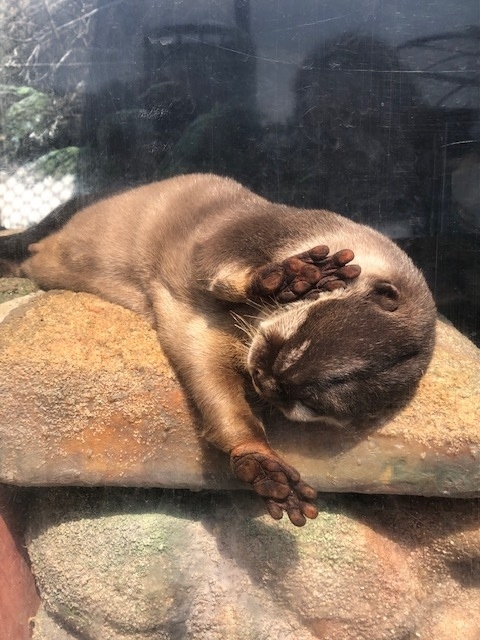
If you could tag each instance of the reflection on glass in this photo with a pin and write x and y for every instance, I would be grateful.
(366, 109)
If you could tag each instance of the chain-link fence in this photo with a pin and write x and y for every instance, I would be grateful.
(26, 198)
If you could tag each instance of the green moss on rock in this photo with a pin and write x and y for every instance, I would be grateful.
(11, 288)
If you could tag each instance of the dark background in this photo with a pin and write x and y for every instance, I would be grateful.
(365, 107)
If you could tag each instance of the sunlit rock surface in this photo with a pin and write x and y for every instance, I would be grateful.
(116, 564)
(88, 398)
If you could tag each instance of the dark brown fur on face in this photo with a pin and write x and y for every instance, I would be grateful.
(246, 292)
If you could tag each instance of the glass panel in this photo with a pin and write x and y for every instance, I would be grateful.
(367, 108)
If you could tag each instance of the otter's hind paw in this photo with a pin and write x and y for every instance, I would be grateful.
(278, 483)
(304, 275)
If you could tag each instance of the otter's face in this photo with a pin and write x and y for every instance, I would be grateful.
(349, 358)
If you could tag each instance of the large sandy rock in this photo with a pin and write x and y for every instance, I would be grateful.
(88, 398)
(161, 565)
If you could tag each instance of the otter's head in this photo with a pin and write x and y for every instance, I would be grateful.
(353, 356)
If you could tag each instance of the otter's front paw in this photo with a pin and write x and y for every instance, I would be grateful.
(303, 275)
(279, 484)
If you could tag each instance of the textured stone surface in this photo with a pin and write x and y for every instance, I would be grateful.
(180, 566)
(19, 600)
(88, 398)
(16, 302)
(14, 288)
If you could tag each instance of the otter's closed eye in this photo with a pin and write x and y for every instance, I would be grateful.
(386, 295)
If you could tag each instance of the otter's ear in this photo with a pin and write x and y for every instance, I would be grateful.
(386, 295)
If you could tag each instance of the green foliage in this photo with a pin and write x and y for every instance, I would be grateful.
(28, 120)
(58, 163)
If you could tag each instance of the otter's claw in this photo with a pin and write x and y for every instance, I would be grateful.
(279, 484)
(304, 275)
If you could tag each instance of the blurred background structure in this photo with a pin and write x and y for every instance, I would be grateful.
(370, 109)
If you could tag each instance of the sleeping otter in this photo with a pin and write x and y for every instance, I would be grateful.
(253, 297)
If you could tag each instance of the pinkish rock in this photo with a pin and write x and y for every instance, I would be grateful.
(19, 600)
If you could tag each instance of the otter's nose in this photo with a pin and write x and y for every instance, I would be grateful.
(267, 385)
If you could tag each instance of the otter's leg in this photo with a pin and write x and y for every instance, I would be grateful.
(52, 265)
(205, 359)
(303, 275)
(300, 276)
(279, 484)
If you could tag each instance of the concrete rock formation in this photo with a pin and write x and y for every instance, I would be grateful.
(175, 565)
(88, 398)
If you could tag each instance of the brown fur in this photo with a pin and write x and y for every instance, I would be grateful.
(182, 252)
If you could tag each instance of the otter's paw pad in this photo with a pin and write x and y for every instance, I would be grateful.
(279, 484)
(304, 275)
